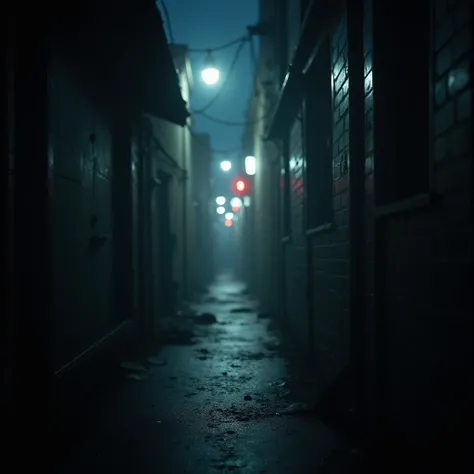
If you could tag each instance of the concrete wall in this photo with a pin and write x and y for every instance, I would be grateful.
(201, 266)
(261, 226)
(172, 154)
(80, 160)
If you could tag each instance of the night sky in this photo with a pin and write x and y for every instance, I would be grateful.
(207, 24)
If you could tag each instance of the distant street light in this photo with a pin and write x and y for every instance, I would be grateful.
(220, 200)
(229, 216)
(226, 165)
(236, 202)
(220, 210)
(210, 74)
(250, 165)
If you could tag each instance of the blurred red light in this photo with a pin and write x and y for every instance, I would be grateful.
(228, 222)
(240, 185)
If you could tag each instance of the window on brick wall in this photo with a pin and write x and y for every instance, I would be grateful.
(401, 78)
(318, 140)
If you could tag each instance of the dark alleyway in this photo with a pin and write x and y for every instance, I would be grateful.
(213, 406)
(321, 150)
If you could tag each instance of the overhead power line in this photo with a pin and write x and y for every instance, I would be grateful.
(217, 48)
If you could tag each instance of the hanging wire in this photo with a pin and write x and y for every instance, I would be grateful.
(217, 48)
(219, 92)
(229, 123)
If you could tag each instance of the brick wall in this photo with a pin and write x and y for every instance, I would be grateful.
(295, 249)
(81, 173)
(425, 255)
(324, 332)
(330, 249)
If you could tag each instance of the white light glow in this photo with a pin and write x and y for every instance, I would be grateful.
(220, 200)
(220, 210)
(246, 201)
(226, 165)
(236, 202)
(229, 216)
(250, 165)
(210, 75)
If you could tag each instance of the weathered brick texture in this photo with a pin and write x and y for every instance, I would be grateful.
(295, 249)
(331, 314)
(330, 249)
(326, 330)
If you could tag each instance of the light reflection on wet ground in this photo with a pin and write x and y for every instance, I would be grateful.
(212, 406)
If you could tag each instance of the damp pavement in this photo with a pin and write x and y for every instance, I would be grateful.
(220, 402)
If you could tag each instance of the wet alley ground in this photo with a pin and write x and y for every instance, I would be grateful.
(217, 397)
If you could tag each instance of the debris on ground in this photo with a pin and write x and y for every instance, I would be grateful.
(241, 310)
(248, 397)
(247, 355)
(177, 329)
(156, 361)
(132, 366)
(205, 318)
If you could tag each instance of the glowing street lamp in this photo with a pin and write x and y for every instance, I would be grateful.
(210, 74)
(220, 210)
(220, 201)
(229, 216)
(226, 165)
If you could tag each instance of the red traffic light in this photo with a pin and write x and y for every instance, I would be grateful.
(240, 186)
